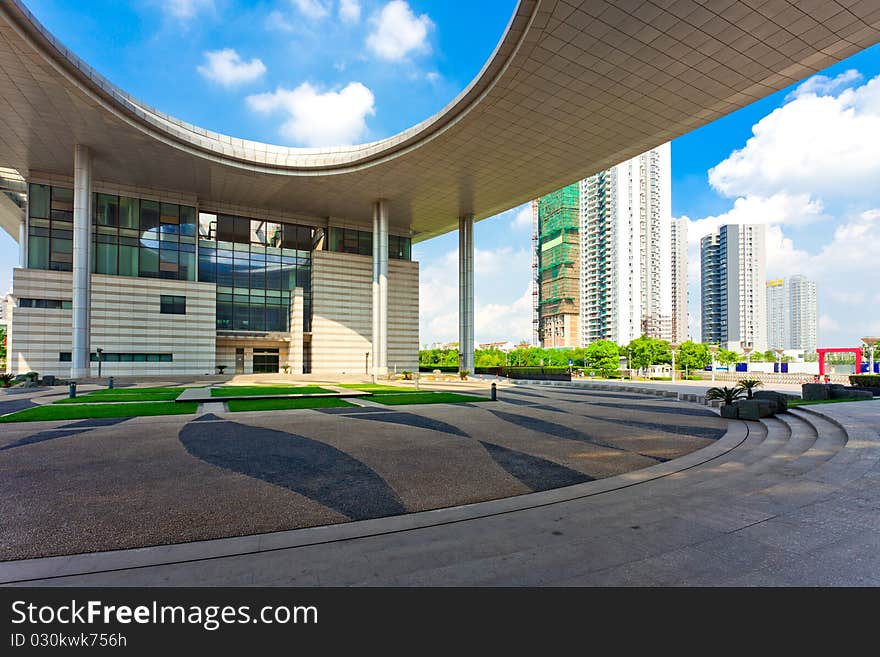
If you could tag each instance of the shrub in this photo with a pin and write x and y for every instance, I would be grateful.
(727, 395)
(463, 374)
(866, 380)
(449, 369)
(407, 375)
(749, 386)
(6, 379)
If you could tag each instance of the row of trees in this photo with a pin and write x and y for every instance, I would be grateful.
(602, 356)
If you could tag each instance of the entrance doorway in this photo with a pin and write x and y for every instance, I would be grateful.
(265, 361)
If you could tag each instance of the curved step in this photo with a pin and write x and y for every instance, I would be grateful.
(830, 439)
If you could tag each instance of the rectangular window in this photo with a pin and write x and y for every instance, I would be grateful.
(129, 213)
(38, 201)
(149, 216)
(106, 210)
(172, 305)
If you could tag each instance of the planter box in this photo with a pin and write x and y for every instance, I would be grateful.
(730, 411)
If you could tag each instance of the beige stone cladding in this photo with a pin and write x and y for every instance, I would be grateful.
(342, 301)
(125, 319)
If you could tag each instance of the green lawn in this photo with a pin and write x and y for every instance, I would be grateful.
(258, 391)
(236, 405)
(124, 395)
(87, 411)
(801, 402)
(426, 397)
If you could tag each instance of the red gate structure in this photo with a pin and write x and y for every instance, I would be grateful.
(822, 352)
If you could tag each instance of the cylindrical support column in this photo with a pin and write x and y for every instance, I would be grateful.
(380, 287)
(22, 238)
(82, 240)
(466, 292)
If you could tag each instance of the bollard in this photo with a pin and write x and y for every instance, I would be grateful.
(110, 383)
(493, 395)
(71, 390)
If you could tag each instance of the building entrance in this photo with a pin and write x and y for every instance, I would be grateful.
(265, 361)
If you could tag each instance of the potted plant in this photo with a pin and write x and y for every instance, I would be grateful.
(285, 368)
(6, 380)
(463, 374)
(727, 396)
(407, 375)
(221, 369)
(749, 386)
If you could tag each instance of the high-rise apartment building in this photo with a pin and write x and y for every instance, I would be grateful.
(792, 314)
(610, 235)
(733, 299)
(679, 280)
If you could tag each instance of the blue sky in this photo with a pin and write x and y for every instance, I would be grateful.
(314, 72)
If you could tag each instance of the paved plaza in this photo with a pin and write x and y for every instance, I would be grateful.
(102, 484)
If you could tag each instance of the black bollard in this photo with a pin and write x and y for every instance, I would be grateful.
(110, 383)
(493, 395)
(71, 390)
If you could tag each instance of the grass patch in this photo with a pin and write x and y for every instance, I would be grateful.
(124, 395)
(405, 398)
(802, 402)
(237, 405)
(259, 391)
(88, 411)
(377, 388)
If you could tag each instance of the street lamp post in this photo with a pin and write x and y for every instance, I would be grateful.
(713, 348)
(673, 346)
(747, 349)
(871, 341)
(779, 351)
(100, 351)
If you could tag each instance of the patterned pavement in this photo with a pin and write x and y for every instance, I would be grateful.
(70, 487)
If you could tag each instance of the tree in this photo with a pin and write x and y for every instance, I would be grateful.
(603, 356)
(645, 351)
(692, 356)
(726, 357)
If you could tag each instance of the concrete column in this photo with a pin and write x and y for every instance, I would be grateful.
(82, 241)
(22, 238)
(295, 354)
(466, 292)
(380, 288)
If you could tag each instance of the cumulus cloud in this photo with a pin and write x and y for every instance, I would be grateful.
(226, 67)
(826, 145)
(349, 11)
(397, 32)
(821, 85)
(311, 9)
(522, 220)
(504, 313)
(186, 9)
(315, 118)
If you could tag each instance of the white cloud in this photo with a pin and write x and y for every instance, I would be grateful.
(315, 118)
(397, 32)
(278, 21)
(821, 85)
(349, 11)
(495, 318)
(432, 76)
(312, 9)
(227, 68)
(522, 220)
(186, 9)
(824, 145)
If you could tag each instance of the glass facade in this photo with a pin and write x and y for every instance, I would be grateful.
(349, 240)
(130, 237)
(255, 265)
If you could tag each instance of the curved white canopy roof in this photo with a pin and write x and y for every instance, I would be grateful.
(572, 88)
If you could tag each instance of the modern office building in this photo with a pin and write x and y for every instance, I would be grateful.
(732, 264)
(604, 245)
(679, 280)
(174, 249)
(792, 314)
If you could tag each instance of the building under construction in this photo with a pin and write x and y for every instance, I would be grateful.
(557, 246)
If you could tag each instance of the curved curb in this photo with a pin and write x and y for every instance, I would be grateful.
(47, 568)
